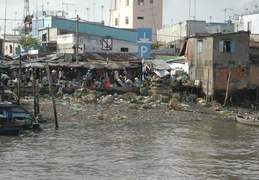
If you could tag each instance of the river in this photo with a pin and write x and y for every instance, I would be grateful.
(175, 149)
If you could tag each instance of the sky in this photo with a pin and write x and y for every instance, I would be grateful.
(174, 11)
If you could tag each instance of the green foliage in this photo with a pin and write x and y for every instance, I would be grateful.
(27, 41)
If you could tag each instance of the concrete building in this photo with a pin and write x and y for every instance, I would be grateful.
(213, 28)
(132, 14)
(248, 22)
(220, 61)
(181, 30)
(176, 34)
(11, 45)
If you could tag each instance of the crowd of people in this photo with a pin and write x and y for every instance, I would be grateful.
(65, 77)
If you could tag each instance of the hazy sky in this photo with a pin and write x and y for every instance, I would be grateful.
(174, 11)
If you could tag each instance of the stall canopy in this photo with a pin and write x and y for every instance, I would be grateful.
(157, 65)
(115, 66)
(35, 65)
(161, 73)
(97, 66)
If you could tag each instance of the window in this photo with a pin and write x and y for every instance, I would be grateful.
(151, 1)
(140, 17)
(44, 37)
(227, 46)
(11, 49)
(141, 2)
(124, 49)
(127, 20)
(116, 21)
(127, 2)
(17, 50)
(200, 46)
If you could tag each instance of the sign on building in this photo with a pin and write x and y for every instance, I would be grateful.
(107, 44)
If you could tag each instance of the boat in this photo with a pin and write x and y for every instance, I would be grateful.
(14, 120)
(249, 120)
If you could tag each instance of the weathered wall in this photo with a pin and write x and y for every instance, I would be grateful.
(253, 77)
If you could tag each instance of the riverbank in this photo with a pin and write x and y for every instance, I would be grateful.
(116, 109)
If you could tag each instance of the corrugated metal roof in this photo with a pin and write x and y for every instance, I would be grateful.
(93, 29)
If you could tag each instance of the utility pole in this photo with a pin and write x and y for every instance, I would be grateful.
(5, 22)
(77, 28)
(93, 12)
(102, 12)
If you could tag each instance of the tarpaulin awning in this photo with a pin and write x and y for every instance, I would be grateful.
(97, 66)
(54, 64)
(74, 65)
(3, 66)
(35, 65)
(114, 66)
(161, 73)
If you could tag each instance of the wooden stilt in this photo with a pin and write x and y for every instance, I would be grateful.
(52, 95)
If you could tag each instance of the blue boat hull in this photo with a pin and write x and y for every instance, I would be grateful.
(10, 131)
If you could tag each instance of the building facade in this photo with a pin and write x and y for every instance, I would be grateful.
(220, 61)
(133, 14)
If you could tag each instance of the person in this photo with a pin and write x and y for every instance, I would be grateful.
(54, 76)
(4, 78)
(89, 78)
(71, 74)
(60, 74)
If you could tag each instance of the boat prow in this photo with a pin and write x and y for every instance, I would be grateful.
(247, 120)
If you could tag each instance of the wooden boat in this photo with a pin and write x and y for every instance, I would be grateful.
(247, 120)
(14, 119)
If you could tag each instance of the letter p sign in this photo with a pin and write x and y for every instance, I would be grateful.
(144, 50)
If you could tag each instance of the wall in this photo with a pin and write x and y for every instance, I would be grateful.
(180, 31)
(92, 44)
(253, 76)
(13, 45)
(237, 61)
(152, 15)
(201, 64)
(249, 22)
(211, 66)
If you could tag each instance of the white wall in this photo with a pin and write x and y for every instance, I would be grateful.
(249, 22)
(92, 44)
(152, 15)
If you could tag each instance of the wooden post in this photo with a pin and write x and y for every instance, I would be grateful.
(52, 95)
(34, 93)
(207, 93)
(19, 79)
(227, 90)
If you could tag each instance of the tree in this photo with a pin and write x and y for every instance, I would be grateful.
(27, 41)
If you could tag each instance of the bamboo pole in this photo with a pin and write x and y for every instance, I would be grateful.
(52, 95)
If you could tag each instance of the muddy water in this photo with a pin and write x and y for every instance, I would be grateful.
(178, 149)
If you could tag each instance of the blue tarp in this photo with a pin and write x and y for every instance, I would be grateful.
(17, 57)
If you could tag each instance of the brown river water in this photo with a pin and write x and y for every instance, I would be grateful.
(172, 149)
